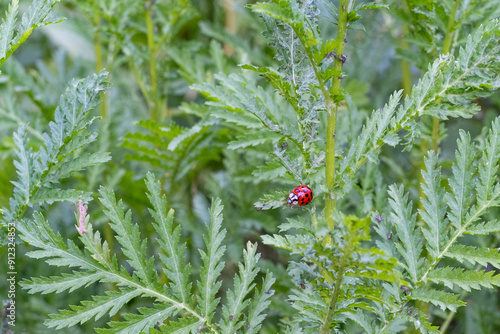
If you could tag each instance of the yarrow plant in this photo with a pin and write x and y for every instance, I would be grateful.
(401, 258)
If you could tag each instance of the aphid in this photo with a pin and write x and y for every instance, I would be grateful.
(301, 195)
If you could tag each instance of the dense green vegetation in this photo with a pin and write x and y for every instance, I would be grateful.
(170, 133)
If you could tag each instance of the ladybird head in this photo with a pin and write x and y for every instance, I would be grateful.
(292, 199)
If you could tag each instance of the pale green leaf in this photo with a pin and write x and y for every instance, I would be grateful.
(58, 284)
(174, 267)
(433, 207)
(474, 255)
(444, 300)
(465, 279)
(51, 195)
(7, 28)
(212, 264)
(96, 308)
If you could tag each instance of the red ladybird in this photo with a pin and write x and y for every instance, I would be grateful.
(301, 195)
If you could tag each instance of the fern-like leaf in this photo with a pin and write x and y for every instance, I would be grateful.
(259, 304)
(58, 284)
(212, 264)
(466, 279)
(175, 268)
(474, 255)
(98, 307)
(444, 300)
(183, 326)
(134, 248)
(461, 184)
(243, 284)
(402, 218)
(489, 164)
(434, 209)
(7, 28)
(138, 323)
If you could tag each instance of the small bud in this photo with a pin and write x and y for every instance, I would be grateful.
(82, 211)
(389, 236)
(231, 317)
(409, 311)
(248, 326)
(343, 58)
(378, 218)
(405, 288)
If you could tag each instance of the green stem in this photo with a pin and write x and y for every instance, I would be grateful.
(154, 105)
(14, 47)
(450, 30)
(405, 65)
(330, 200)
(325, 327)
(98, 59)
(140, 82)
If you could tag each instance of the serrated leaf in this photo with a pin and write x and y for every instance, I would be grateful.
(484, 227)
(410, 245)
(138, 323)
(475, 255)
(96, 308)
(461, 183)
(244, 120)
(183, 326)
(51, 195)
(128, 235)
(260, 302)
(466, 279)
(281, 11)
(79, 163)
(236, 297)
(7, 28)
(169, 239)
(61, 283)
(444, 300)
(254, 139)
(391, 139)
(212, 264)
(488, 167)
(433, 208)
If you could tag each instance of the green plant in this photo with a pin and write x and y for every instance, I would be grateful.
(373, 253)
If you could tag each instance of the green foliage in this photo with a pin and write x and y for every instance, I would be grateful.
(172, 300)
(393, 242)
(35, 17)
(40, 172)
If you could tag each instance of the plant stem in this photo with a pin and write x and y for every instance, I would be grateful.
(405, 65)
(332, 108)
(153, 105)
(325, 327)
(98, 60)
(230, 24)
(450, 29)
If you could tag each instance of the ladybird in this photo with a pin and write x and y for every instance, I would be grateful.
(301, 195)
